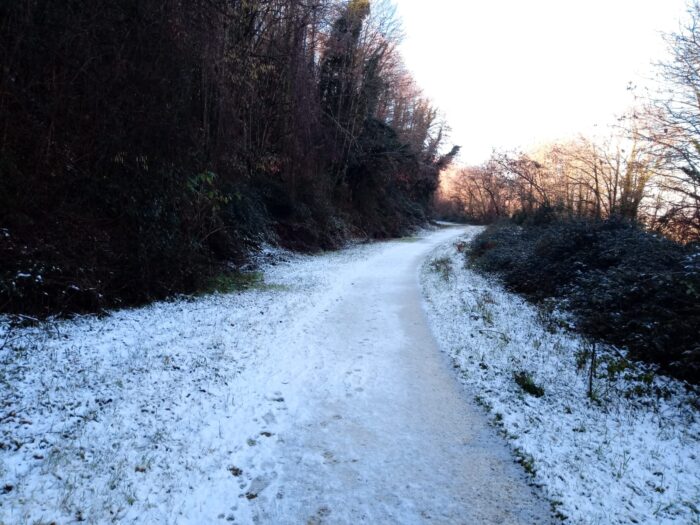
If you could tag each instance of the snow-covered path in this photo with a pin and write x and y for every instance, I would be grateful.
(320, 397)
(382, 431)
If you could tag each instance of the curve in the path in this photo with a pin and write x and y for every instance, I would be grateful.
(381, 431)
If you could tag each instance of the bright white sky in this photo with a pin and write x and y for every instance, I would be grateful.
(516, 73)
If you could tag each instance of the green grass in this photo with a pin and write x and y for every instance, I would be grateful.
(442, 266)
(236, 281)
(412, 238)
(526, 461)
(525, 381)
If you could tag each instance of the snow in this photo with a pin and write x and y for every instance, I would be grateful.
(317, 396)
(629, 457)
(147, 415)
(320, 395)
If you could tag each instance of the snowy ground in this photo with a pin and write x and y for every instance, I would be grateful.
(615, 460)
(318, 396)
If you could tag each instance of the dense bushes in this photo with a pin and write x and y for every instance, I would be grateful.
(624, 285)
(146, 144)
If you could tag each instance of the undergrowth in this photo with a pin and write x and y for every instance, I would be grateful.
(621, 284)
(525, 381)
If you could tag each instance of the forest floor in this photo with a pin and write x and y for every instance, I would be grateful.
(319, 395)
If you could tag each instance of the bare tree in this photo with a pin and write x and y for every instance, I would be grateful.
(669, 124)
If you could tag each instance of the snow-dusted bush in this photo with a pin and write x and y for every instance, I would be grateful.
(626, 286)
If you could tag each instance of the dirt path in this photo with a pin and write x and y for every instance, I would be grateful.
(379, 429)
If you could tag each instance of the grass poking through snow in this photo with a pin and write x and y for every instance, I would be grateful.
(627, 453)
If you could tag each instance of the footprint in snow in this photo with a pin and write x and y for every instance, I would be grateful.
(259, 484)
(329, 458)
(319, 517)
